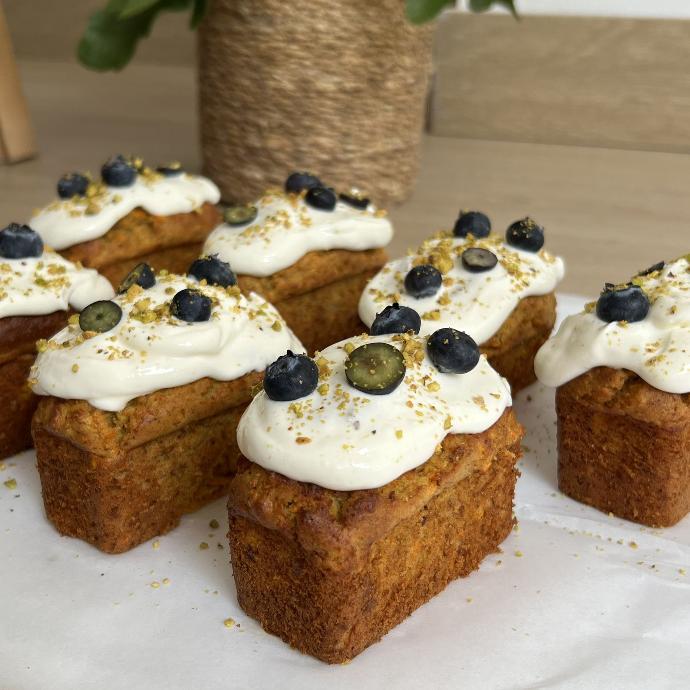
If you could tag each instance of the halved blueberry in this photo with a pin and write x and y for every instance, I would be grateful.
(297, 181)
(475, 223)
(396, 319)
(72, 184)
(423, 281)
(321, 197)
(171, 169)
(355, 199)
(452, 351)
(142, 274)
(191, 306)
(525, 234)
(622, 303)
(375, 368)
(240, 215)
(477, 259)
(652, 269)
(291, 377)
(118, 172)
(213, 271)
(20, 242)
(100, 316)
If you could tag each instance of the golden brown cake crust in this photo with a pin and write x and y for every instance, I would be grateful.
(624, 446)
(141, 236)
(331, 572)
(116, 479)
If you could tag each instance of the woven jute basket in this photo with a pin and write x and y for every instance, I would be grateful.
(335, 88)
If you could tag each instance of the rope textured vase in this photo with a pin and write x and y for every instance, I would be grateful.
(335, 88)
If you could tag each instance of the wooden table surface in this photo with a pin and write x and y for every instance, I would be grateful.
(608, 212)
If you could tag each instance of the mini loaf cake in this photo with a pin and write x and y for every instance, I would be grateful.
(37, 290)
(304, 248)
(370, 479)
(499, 291)
(143, 395)
(622, 368)
(133, 214)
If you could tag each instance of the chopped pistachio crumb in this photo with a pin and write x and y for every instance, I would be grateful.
(229, 623)
(398, 433)
(214, 524)
(203, 546)
(11, 483)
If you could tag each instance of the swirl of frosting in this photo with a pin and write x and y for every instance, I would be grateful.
(286, 228)
(657, 348)
(48, 283)
(344, 439)
(66, 222)
(150, 349)
(476, 303)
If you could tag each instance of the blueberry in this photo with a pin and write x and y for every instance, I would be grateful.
(525, 234)
(100, 316)
(477, 260)
(355, 199)
(20, 242)
(191, 306)
(423, 281)
(321, 198)
(213, 271)
(72, 184)
(452, 352)
(290, 377)
(118, 172)
(142, 275)
(475, 223)
(171, 169)
(396, 319)
(375, 368)
(652, 269)
(297, 181)
(622, 303)
(240, 215)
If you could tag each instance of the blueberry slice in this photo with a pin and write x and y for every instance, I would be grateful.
(396, 319)
(291, 377)
(423, 281)
(321, 198)
(477, 260)
(171, 169)
(475, 223)
(100, 316)
(118, 172)
(297, 181)
(213, 271)
(525, 234)
(240, 215)
(652, 269)
(375, 368)
(142, 275)
(72, 184)
(20, 242)
(190, 306)
(355, 199)
(622, 303)
(452, 352)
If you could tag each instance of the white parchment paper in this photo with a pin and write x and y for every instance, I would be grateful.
(576, 599)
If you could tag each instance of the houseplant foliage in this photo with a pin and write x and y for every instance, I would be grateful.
(112, 34)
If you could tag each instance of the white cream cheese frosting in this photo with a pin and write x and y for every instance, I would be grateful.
(66, 222)
(476, 303)
(343, 439)
(286, 228)
(150, 349)
(657, 348)
(46, 284)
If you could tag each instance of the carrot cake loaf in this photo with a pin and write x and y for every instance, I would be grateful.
(622, 368)
(37, 290)
(370, 479)
(142, 398)
(499, 290)
(132, 214)
(305, 247)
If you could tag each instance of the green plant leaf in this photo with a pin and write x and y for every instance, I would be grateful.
(198, 12)
(129, 8)
(484, 5)
(420, 11)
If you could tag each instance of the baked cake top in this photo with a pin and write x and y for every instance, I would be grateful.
(370, 408)
(282, 226)
(34, 280)
(642, 326)
(160, 331)
(86, 209)
(469, 281)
